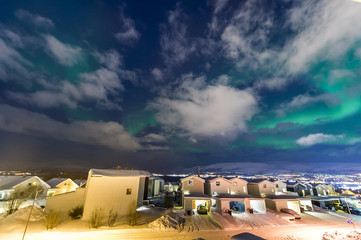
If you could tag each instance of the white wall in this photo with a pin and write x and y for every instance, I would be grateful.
(109, 193)
(65, 202)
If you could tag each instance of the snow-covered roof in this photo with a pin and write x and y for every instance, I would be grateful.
(219, 178)
(239, 196)
(9, 182)
(193, 177)
(118, 173)
(55, 181)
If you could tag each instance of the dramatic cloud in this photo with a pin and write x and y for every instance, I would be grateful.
(128, 34)
(271, 84)
(176, 47)
(206, 110)
(326, 28)
(12, 63)
(318, 138)
(94, 86)
(108, 134)
(35, 19)
(302, 101)
(65, 54)
(157, 74)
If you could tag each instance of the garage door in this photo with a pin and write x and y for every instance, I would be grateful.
(294, 205)
(237, 206)
(258, 206)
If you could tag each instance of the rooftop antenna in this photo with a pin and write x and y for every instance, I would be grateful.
(199, 172)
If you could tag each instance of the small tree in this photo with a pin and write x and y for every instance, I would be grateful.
(112, 218)
(13, 203)
(52, 220)
(133, 216)
(96, 218)
(77, 212)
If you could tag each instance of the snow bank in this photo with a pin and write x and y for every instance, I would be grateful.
(23, 213)
(342, 236)
(168, 223)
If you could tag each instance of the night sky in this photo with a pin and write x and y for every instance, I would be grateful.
(166, 85)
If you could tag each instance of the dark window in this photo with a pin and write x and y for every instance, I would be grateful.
(218, 183)
(129, 191)
(276, 185)
(264, 185)
(190, 182)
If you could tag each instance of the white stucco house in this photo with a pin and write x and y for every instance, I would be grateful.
(61, 185)
(20, 184)
(115, 190)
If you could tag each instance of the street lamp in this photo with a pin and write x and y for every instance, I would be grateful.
(33, 184)
(350, 214)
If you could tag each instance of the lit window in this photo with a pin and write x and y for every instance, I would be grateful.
(129, 191)
(235, 183)
(244, 188)
(190, 182)
(218, 183)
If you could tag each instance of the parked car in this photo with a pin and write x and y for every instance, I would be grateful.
(290, 211)
(202, 209)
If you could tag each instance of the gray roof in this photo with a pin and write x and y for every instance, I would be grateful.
(8, 182)
(118, 173)
(285, 197)
(225, 195)
(197, 195)
(55, 181)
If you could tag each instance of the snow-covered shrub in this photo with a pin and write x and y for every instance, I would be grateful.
(112, 218)
(76, 213)
(96, 218)
(52, 220)
(133, 216)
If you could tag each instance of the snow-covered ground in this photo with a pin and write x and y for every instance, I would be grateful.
(313, 225)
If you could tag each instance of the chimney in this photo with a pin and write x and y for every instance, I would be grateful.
(119, 167)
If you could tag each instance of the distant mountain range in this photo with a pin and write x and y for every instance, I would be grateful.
(253, 168)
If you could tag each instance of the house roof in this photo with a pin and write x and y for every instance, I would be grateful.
(286, 197)
(9, 182)
(118, 173)
(194, 177)
(219, 178)
(197, 195)
(258, 181)
(226, 195)
(237, 178)
(295, 184)
(55, 181)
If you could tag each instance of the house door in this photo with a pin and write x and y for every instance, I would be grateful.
(237, 206)
(294, 205)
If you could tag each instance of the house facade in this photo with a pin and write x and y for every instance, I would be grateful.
(115, 190)
(280, 187)
(217, 186)
(22, 185)
(261, 188)
(61, 185)
(238, 186)
(237, 204)
(192, 184)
